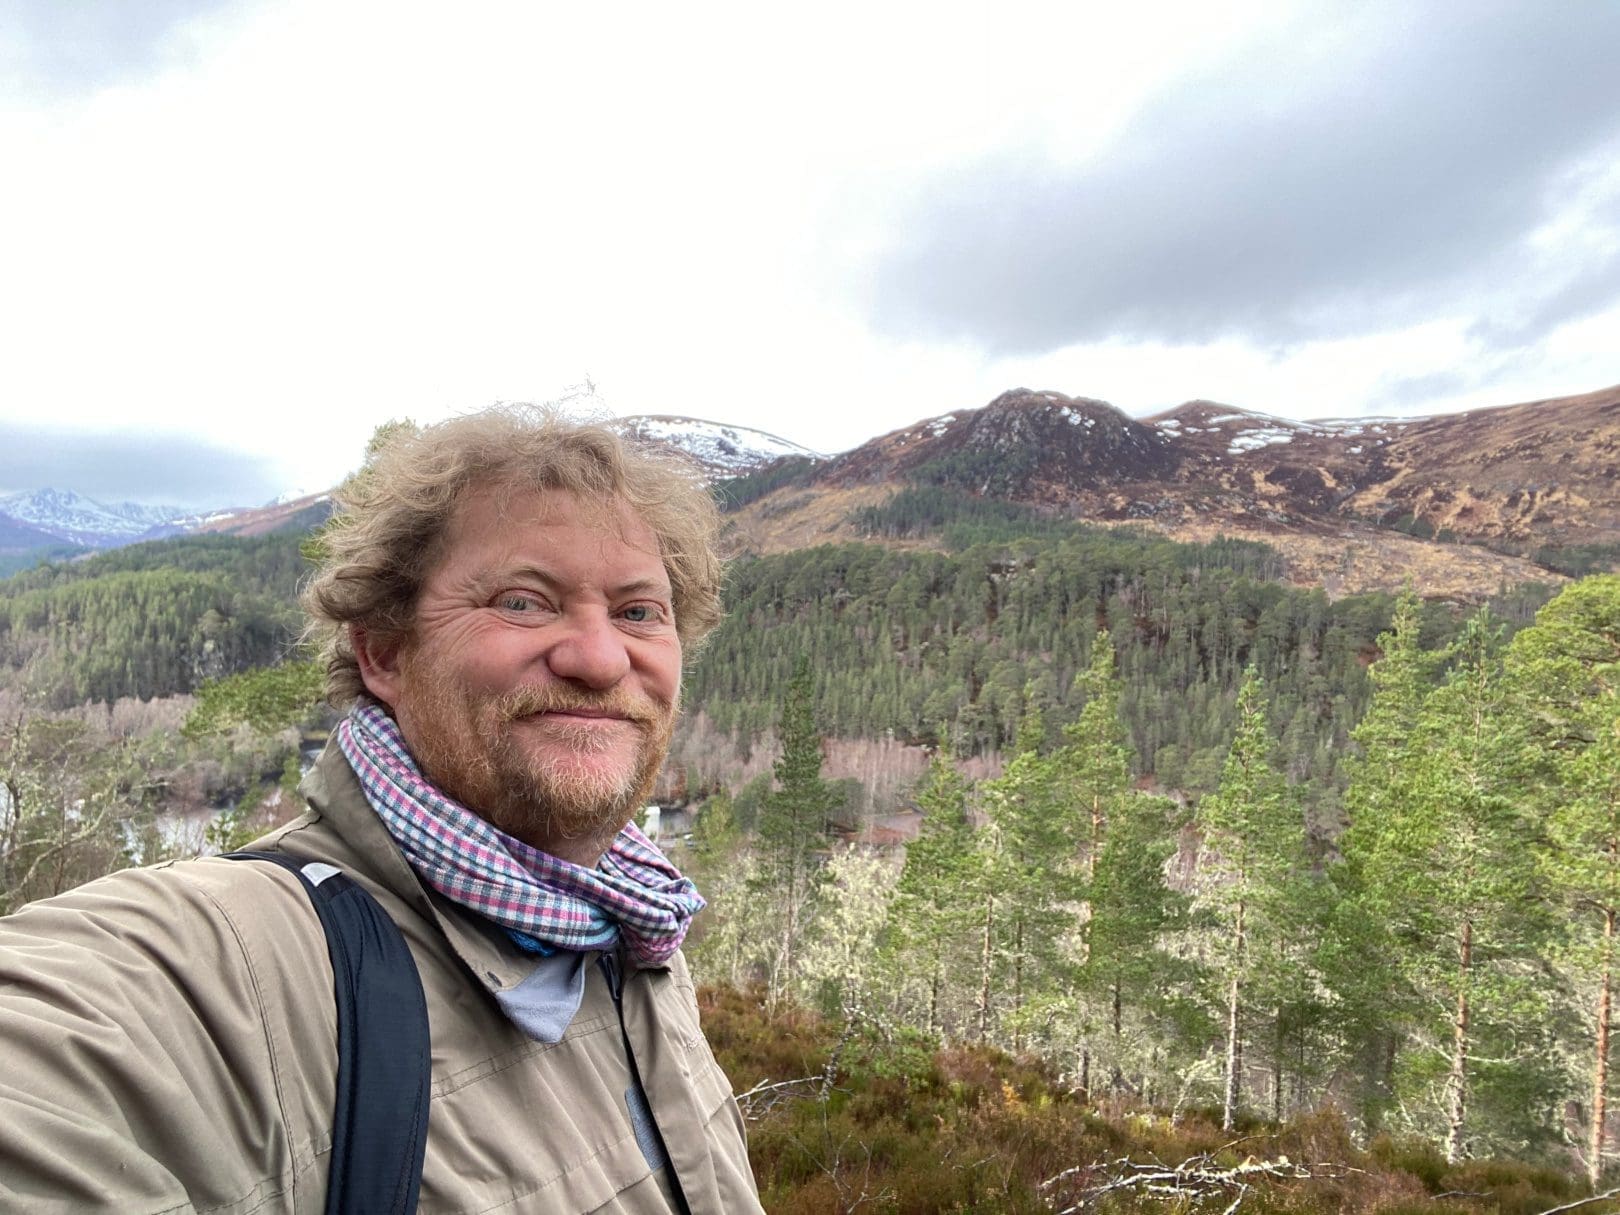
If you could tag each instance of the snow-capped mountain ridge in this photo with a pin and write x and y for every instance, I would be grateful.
(73, 517)
(721, 450)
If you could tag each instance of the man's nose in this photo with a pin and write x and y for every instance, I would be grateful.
(590, 650)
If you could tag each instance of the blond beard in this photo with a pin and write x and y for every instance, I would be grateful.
(466, 745)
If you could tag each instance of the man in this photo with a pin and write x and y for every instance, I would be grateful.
(503, 602)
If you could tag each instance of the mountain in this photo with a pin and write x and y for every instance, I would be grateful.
(300, 513)
(66, 516)
(1461, 503)
(720, 450)
(1543, 474)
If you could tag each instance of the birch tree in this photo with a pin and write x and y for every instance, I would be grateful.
(841, 957)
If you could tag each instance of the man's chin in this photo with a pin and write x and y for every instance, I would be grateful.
(579, 798)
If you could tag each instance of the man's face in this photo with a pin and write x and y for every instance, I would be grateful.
(541, 684)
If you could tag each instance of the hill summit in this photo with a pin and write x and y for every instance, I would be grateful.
(1462, 502)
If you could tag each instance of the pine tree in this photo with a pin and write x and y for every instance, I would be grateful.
(1565, 679)
(1093, 771)
(793, 821)
(937, 898)
(1094, 765)
(1132, 913)
(1253, 836)
(1378, 1007)
(1449, 871)
(1031, 866)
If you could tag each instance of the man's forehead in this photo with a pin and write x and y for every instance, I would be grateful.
(515, 514)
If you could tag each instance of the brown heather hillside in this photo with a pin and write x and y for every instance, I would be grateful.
(1455, 503)
(1547, 471)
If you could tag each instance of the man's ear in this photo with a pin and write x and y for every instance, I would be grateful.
(379, 664)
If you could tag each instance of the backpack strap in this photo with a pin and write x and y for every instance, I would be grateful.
(379, 1119)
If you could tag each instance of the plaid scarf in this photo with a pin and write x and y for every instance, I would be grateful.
(634, 890)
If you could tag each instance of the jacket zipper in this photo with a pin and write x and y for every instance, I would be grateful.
(610, 971)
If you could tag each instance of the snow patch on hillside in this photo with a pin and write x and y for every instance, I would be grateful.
(724, 451)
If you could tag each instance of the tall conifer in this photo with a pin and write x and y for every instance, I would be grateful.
(793, 821)
(1252, 835)
(1565, 674)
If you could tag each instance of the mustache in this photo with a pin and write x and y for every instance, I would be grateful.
(526, 702)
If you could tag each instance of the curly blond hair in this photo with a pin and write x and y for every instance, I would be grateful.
(386, 534)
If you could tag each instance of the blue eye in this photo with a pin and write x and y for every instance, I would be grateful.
(515, 602)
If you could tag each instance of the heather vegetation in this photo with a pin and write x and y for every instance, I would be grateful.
(868, 1120)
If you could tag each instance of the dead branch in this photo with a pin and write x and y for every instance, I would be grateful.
(1581, 1202)
(1198, 1178)
(766, 1096)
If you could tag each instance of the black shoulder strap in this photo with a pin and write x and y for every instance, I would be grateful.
(379, 1122)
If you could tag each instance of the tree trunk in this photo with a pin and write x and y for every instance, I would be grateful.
(1116, 1075)
(1018, 987)
(784, 963)
(1234, 1056)
(1600, 1070)
(1234, 1040)
(933, 1000)
(1458, 1082)
(1096, 837)
(985, 959)
(1277, 1068)
(1389, 1049)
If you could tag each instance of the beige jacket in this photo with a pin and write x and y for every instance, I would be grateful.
(167, 1044)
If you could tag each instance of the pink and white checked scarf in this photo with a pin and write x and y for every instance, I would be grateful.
(634, 890)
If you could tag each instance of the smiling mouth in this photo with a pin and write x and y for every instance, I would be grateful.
(587, 717)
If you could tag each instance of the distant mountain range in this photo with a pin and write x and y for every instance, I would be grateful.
(59, 523)
(66, 516)
(1463, 503)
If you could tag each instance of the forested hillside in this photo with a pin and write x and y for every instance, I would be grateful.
(150, 620)
(956, 645)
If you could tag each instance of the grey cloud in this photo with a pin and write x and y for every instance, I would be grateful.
(57, 48)
(119, 467)
(1410, 394)
(1585, 282)
(1367, 168)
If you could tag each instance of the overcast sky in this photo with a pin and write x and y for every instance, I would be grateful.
(240, 234)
